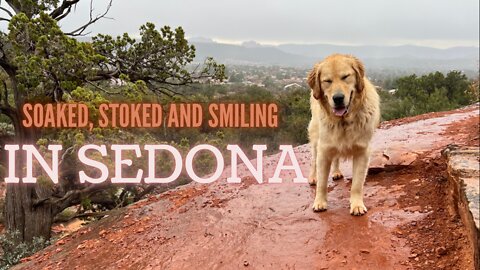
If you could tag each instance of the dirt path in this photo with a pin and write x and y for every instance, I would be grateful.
(272, 226)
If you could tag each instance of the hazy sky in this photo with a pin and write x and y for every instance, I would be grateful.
(438, 23)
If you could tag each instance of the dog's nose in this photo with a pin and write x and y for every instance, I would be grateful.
(338, 98)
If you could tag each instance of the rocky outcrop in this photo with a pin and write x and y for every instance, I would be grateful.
(464, 178)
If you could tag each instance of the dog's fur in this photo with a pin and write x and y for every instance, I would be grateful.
(348, 136)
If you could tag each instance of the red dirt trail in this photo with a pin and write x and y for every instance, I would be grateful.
(409, 224)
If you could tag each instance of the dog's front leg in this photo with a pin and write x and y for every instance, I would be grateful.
(324, 162)
(313, 138)
(313, 167)
(337, 174)
(360, 166)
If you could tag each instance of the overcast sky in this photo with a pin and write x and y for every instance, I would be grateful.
(437, 23)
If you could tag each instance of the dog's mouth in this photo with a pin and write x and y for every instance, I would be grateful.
(340, 110)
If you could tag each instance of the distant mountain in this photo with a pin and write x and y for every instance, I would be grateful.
(249, 55)
(252, 44)
(408, 57)
(409, 51)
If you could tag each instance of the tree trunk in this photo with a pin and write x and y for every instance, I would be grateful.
(21, 215)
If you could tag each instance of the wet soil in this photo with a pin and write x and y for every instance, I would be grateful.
(438, 240)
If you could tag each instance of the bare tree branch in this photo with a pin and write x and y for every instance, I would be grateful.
(9, 112)
(5, 94)
(81, 30)
(146, 191)
(63, 10)
(95, 214)
(67, 152)
(101, 88)
(14, 5)
(102, 75)
(72, 197)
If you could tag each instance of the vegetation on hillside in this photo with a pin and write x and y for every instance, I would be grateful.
(428, 93)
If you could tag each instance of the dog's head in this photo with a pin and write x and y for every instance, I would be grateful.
(336, 80)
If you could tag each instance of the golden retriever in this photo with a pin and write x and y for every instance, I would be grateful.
(345, 113)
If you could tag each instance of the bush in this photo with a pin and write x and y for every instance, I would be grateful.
(429, 93)
(13, 251)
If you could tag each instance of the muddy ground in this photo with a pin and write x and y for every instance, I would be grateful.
(411, 223)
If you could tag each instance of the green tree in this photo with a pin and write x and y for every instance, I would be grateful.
(295, 115)
(428, 93)
(41, 62)
(428, 83)
(456, 84)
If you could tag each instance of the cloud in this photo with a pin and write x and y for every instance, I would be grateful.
(438, 23)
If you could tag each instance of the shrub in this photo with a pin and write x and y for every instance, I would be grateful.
(429, 93)
(13, 251)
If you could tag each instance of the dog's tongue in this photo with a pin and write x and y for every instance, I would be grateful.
(339, 111)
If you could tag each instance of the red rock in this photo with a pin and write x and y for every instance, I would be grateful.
(441, 251)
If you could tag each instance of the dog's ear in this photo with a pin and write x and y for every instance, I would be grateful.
(313, 82)
(359, 74)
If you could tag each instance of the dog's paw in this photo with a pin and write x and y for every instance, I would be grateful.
(319, 205)
(337, 175)
(312, 181)
(358, 208)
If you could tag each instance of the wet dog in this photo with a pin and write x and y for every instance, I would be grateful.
(345, 114)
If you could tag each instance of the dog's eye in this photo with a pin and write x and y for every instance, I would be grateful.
(345, 76)
(327, 81)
